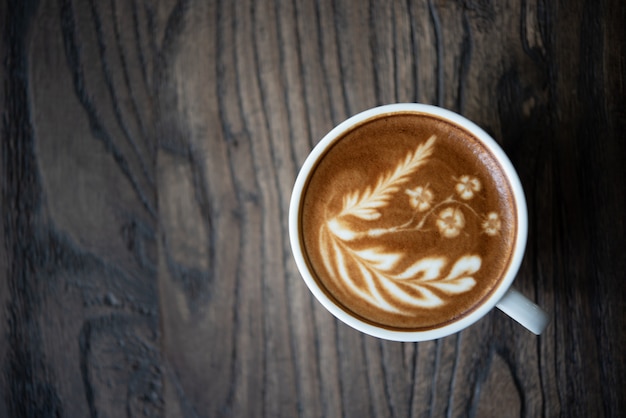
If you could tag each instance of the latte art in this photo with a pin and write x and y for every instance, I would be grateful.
(404, 224)
(415, 285)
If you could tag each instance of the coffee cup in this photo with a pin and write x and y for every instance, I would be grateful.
(408, 222)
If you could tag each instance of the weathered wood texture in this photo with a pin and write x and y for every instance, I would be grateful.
(147, 156)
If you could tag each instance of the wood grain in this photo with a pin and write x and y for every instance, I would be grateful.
(147, 157)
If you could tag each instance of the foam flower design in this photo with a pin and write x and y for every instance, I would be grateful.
(450, 222)
(492, 224)
(467, 186)
(420, 198)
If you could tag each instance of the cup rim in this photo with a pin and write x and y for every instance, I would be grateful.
(408, 335)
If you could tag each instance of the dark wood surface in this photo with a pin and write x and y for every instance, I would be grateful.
(148, 152)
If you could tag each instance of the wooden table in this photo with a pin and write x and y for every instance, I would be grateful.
(147, 157)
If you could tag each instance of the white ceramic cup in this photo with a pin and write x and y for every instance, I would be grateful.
(506, 298)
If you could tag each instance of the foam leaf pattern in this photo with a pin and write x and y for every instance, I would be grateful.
(372, 275)
(365, 205)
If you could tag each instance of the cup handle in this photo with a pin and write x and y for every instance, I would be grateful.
(521, 309)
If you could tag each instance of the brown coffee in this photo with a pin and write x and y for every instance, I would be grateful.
(407, 221)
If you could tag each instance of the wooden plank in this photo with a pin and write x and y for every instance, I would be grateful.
(148, 150)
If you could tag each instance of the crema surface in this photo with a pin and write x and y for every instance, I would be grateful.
(408, 221)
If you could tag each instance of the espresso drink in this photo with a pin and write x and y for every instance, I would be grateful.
(407, 221)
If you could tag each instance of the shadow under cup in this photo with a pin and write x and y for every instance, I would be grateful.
(408, 222)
